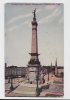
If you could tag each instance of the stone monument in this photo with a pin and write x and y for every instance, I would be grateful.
(34, 64)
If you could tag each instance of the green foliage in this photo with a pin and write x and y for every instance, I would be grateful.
(6, 90)
(58, 82)
(58, 76)
(52, 95)
(62, 74)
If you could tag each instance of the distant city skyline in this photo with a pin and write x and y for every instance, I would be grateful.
(18, 33)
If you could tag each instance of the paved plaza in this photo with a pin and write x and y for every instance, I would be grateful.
(29, 89)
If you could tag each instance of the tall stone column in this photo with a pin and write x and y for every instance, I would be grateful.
(34, 64)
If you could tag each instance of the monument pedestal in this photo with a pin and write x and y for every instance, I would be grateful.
(33, 72)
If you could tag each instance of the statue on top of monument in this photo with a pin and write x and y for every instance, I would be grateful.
(34, 13)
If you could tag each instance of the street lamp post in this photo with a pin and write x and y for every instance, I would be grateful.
(48, 70)
(11, 87)
(48, 75)
(8, 79)
(37, 78)
(18, 81)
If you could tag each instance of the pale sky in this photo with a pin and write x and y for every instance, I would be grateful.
(18, 32)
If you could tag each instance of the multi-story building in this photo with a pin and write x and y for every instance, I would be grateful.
(15, 71)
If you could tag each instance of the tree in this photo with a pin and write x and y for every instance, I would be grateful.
(62, 75)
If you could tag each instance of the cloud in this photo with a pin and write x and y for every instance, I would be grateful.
(61, 20)
(26, 22)
(22, 16)
(49, 17)
(12, 28)
(38, 10)
(18, 17)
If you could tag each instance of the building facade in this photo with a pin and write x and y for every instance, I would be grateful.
(15, 71)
